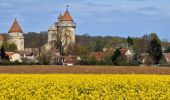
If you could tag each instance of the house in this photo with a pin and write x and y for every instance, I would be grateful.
(101, 55)
(27, 54)
(167, 57)
(14, 56)
(98, 55)
(126, 52)
(70, 60)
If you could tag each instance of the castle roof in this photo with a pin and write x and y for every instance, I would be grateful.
(15, 27)
(60, 16)
(66, 16)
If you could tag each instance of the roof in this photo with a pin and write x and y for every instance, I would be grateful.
(9, 54)
(69, 61)
(1, 38)
(98, 55)
(60, 16)
(27, 53)
(15, 27)
(123, 51)
(66, 16)
(167, 56)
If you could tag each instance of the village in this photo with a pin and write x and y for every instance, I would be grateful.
(62, 39)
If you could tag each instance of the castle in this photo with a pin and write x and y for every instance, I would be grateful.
(62, 31)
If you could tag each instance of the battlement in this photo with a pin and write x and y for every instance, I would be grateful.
(65, 24)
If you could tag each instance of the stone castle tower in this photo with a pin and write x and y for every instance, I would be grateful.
(63, 29)
(15, 35)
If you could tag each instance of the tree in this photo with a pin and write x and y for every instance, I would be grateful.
(60, 46)
(9, 46)
(63, 39)
(4, 57)
(140, 45)
(155, 49)
(3, 54)
(115, 56)
(76, 50)
(130, 41)
(167, 50)
(135, 60)
(99, 45)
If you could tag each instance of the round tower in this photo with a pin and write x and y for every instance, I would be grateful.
(66, 26)
(15, 35)
(52, 33)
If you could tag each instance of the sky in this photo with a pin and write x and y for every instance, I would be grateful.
(96, 17)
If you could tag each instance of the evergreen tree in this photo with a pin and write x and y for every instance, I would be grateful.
(129, 41)
(3, 55)
(116, 55)
(155, 49)
(135, 60)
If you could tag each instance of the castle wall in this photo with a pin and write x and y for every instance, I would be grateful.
(18, 39)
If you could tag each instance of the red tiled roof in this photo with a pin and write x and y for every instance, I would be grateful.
(15, 27)
(69, 59)
(60, 16)
(9, 54)
(98, 55)
(66, 16)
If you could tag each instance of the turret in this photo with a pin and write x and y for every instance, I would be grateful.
(15, 34)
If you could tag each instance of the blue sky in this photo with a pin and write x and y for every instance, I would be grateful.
(96, 17)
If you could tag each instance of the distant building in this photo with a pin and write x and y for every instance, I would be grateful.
(101, 55)
(167, 57)
(15, 35)
(127, 53)
(63, 29)
(69, 60)
(14, 56)
(28, 55)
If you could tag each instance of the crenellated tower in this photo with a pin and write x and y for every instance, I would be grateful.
(63, 29)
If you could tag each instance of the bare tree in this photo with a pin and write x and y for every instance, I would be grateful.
(63, 39)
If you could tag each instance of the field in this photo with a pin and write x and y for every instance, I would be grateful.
(84, 87)
(84, 83)
(84, 70)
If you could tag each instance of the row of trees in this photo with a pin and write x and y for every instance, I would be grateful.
(149, 45)
(147, 49)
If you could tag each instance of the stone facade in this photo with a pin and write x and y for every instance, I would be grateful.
(15, 35)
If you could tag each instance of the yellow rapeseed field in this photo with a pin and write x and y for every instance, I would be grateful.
(84, 87)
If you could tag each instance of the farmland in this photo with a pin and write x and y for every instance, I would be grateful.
(84, 87)
(83, 70)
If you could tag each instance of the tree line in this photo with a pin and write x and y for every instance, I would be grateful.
(150, 45)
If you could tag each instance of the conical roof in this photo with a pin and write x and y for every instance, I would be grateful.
(60, 16)
(66, 16)
(15, 27)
